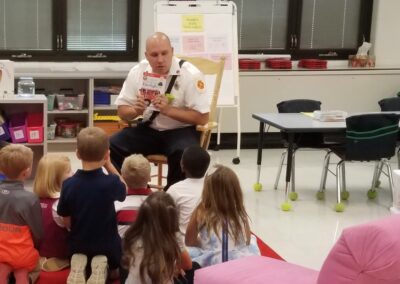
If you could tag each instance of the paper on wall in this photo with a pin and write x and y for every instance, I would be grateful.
(6, 78)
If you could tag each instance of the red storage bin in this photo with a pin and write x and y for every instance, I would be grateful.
(17, 128)
(279, 63)
(313, 63)
(35, 127)
(249, 64)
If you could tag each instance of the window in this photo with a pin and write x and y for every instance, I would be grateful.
(65, 30)
(331, 29)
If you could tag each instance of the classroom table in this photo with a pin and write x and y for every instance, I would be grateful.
(291, 123)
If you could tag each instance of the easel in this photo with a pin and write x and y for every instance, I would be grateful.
(214, 26)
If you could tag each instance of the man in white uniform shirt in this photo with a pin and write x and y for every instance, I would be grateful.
(170, 125)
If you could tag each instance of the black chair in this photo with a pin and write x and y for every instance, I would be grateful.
(392, 104)
(369, 137)
(306, 140)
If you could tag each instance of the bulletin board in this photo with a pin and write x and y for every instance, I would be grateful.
(204, 29)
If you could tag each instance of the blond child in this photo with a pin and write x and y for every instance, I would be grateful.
(52, 170)
(221, 206)
(20, 216)
(135, 172)
(87, 205)
(153, 252)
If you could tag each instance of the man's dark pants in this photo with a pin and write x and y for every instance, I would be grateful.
(146, 141)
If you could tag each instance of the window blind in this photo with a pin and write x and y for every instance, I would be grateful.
(262, 24)
(26, 24)
(329, 24)
(97, 25)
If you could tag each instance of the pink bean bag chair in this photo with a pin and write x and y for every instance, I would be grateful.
(364, 254)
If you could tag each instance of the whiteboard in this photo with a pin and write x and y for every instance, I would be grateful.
(205, 29)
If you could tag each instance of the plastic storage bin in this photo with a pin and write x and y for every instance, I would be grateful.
(34, 128)
(101, 98)
(51, 131)
(17, 128)
(50, 101)
(4, 134)
(70, 102)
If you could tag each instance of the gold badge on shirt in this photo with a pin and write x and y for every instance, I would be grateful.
(200, 85)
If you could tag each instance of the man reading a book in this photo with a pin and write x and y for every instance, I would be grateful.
(169, 94)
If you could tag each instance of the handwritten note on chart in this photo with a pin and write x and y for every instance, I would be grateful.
(192, 23)
(193, 44)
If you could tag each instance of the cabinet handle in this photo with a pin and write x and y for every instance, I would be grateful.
(97, 55)
(330, 53)
(291, 41)
(61, 42)
(58, 41)
(21, 55)
(295, 41)
(132, 41)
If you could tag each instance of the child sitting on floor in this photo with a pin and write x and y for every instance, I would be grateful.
(187, 193)
(20, 216)
(221, 206)
(52, 170)
(136, 173)
(87, 205)
(153, 250)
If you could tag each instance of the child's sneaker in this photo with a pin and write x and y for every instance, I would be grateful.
(99, 270)
(54, 264)
(78, 267)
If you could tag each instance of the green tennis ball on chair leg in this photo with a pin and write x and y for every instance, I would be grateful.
(339, 207)
(286, 206)
(293, 196)
(345, 195)
(257, 186)
(320, 195)
(372, 194)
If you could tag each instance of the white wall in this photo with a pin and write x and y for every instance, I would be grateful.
(386, 33)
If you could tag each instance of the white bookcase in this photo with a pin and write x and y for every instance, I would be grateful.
(75, 82)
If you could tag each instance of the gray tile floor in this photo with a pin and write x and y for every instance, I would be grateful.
(305, 234)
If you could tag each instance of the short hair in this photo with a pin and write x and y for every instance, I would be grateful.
(195, 161)
(92, 144)
(135, 171)
(51, 172)
(14, 159)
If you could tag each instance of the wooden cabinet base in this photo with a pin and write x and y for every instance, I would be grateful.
(110, 127)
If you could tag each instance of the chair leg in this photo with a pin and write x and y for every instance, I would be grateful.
(389, 170)
(378, 174)
(345, 193)
(280, 169)
(398, 158)
(339, 181)
(325, 169)
(293, 185)
(339, 207)
(159, 174)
